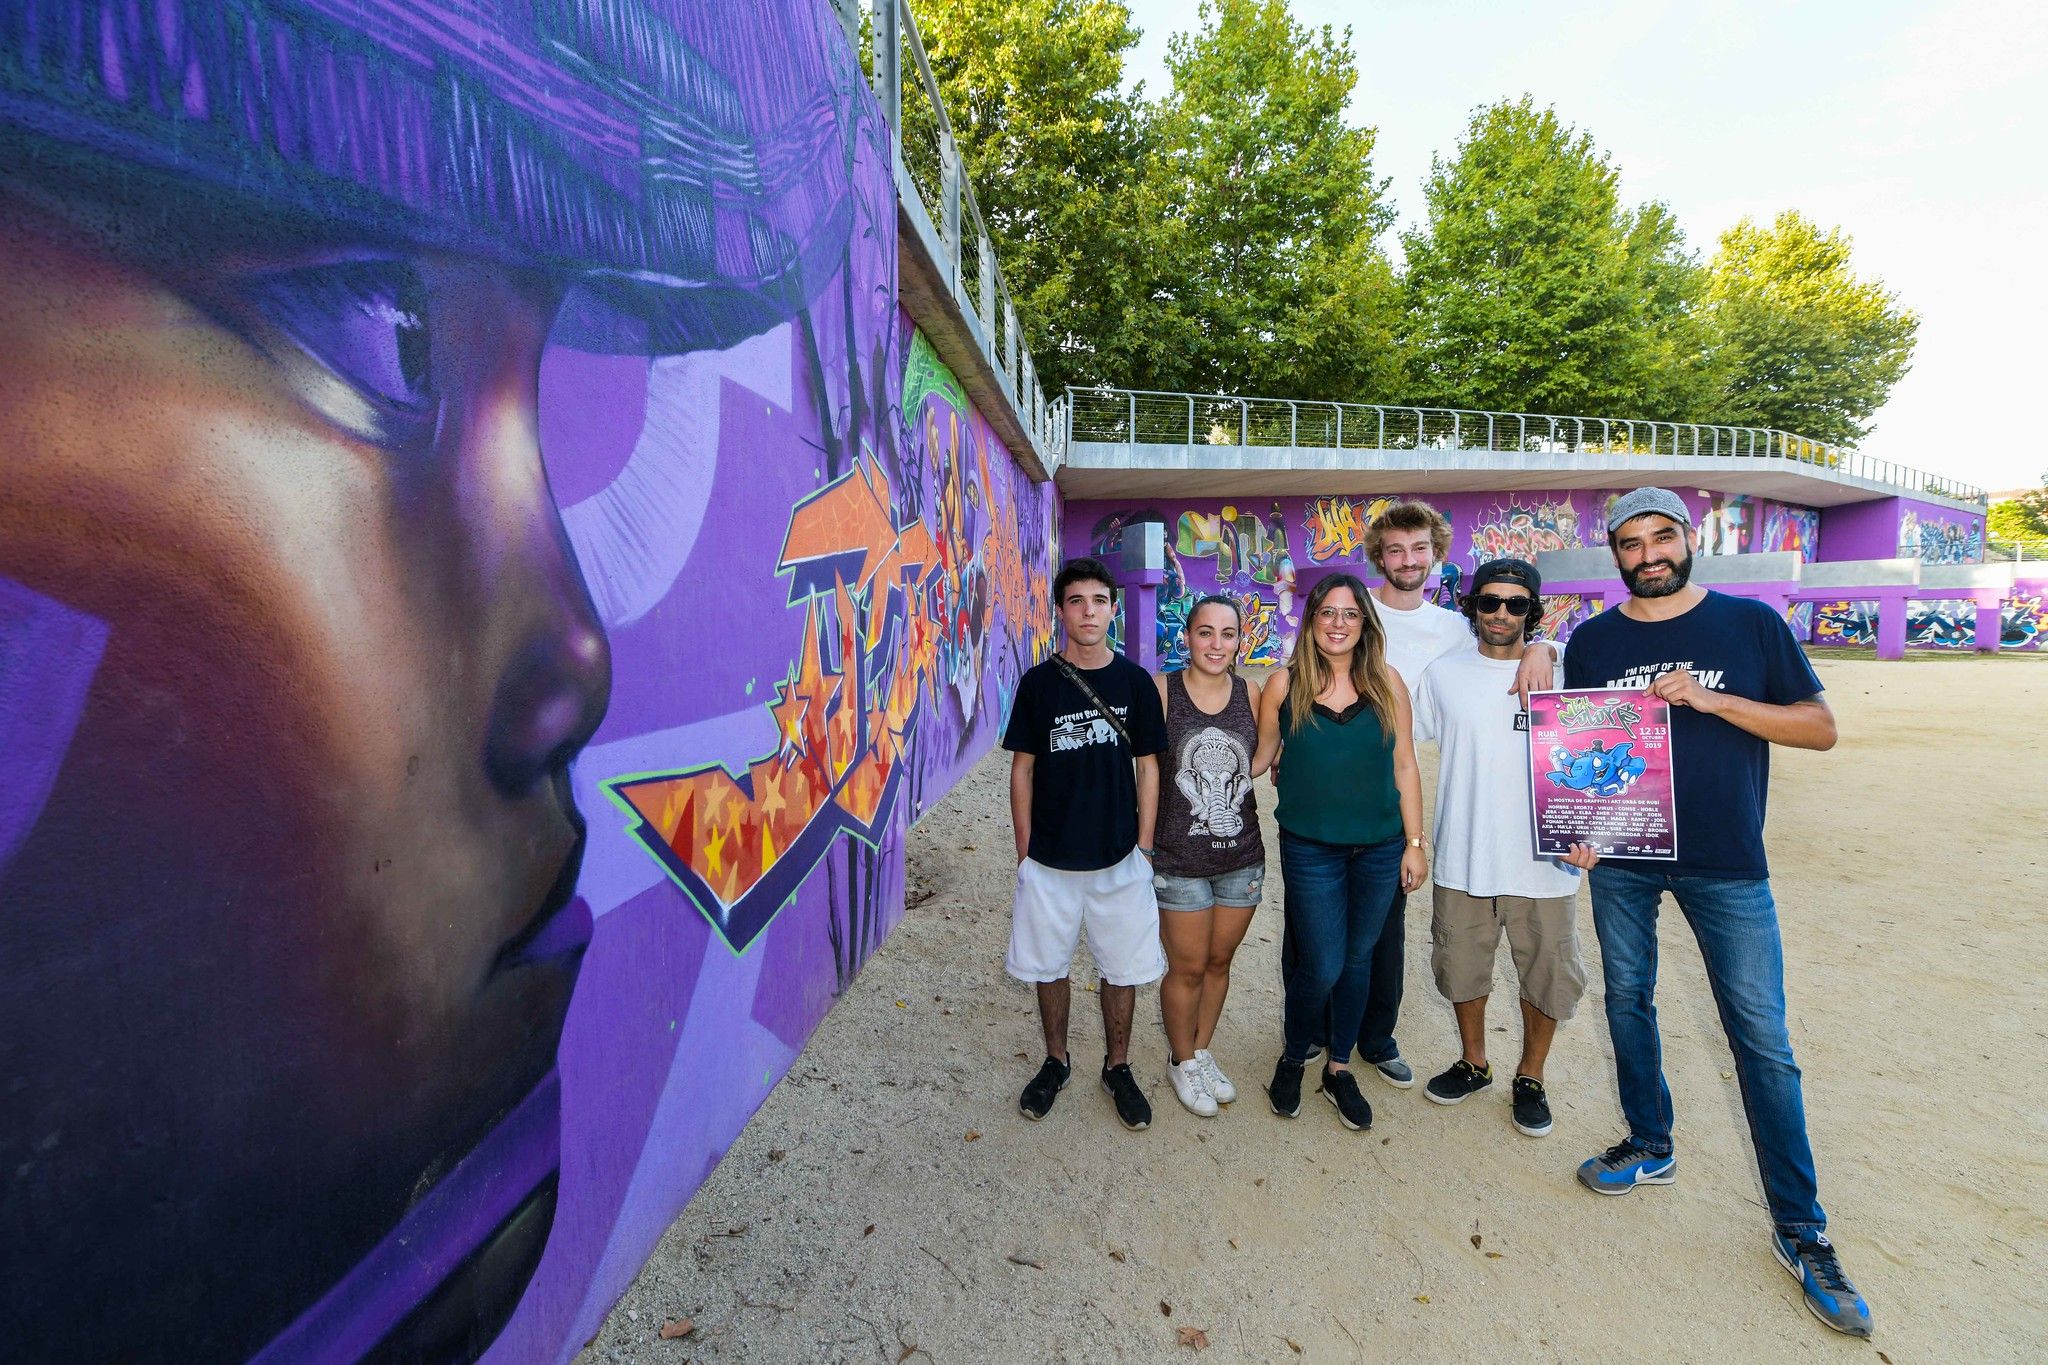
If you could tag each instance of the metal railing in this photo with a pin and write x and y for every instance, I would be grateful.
(1149, 417)
(928, 173)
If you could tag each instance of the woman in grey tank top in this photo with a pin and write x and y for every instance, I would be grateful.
(1209, 866)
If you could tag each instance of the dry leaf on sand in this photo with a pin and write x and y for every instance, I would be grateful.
(1195, 1337)
(677, 1327)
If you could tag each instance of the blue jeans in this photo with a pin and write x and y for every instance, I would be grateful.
(1389, 974)
(1336, 901)
(1736, 925)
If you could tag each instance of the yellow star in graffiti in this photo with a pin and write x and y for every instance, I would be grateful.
(714, 851)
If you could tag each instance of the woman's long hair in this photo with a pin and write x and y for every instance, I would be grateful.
(1310, 668)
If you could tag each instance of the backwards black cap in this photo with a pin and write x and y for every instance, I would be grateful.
(1507, 570)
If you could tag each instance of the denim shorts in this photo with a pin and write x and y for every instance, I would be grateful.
(1240, 889)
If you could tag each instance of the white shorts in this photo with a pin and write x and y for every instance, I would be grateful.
(1114, 904)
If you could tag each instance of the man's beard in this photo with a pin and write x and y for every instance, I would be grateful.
(1416, 577)
(1680, 575)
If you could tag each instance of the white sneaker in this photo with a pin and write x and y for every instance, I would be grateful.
(1219, 1084)
(1193, 1088)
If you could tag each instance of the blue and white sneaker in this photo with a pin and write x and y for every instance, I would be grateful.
(1829, 1295)
(1626, 1165)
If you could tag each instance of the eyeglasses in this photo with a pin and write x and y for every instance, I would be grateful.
(1331, 616)
(1489, 603)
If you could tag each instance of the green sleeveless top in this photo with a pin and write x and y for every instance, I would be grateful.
(1336, 779)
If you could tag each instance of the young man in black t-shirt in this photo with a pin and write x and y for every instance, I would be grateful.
(1084, 737)
(1738, 683)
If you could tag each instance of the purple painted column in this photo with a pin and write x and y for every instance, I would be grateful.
(1891, 622)
(1990, 620)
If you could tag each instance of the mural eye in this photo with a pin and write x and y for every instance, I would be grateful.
(365, 323)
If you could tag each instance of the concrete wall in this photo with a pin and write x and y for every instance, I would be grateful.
(488, 574)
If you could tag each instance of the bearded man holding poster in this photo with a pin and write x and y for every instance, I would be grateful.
(1737, 683)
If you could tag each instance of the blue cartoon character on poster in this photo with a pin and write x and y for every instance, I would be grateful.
(1597, 770)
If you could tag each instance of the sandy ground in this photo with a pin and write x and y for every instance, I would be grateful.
(860, 1217)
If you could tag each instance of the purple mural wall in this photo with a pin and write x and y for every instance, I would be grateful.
(1264, 550)
(1939, 623)
(488, 575)
(1904, 528)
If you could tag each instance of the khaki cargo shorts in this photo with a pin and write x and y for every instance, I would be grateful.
(1543, 938)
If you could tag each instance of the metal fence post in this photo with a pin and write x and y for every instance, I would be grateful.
(988, 296)
(1134, 418)
(1010, 339)
(949, 182)
(1191, 419)
(1244, 422)
(889, 73)
(1293, 424)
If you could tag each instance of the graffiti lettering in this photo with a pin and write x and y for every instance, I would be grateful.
(1514, 531)
(1336, 527)
(1578, 713)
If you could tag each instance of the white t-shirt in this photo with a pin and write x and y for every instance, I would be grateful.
(1418, 637)
(1484, 810)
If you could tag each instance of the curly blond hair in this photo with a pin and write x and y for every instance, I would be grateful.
(1409, 516)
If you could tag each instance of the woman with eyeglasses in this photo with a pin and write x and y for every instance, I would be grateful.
(1209, 868)
(1350, 816)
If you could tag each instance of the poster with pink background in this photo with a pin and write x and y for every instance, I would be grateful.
(1600, 765)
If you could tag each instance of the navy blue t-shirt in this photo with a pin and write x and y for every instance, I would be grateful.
(1731, 644)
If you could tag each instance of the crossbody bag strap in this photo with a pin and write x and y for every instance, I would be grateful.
(1074, 676)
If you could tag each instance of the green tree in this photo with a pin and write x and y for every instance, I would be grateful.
(1262, 219)
(1678, 374)
(1531, 288)
(2022, 520)
(1053, 147)
(1805, 345)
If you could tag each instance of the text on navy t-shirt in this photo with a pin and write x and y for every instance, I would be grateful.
(1723, 773)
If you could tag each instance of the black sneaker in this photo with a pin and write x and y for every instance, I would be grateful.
(1532, 1107)
(1455, 1085)
(1133, 1110)
(1342, 1089)
(1285, 1091)
(1044, 1088)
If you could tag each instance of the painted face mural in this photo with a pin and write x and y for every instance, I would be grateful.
(370, 370)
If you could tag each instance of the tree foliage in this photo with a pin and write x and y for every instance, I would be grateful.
(1228, 235)
(2022, 520)
(1804, 344)
(1267, 272)
(1530, 287)
(1053, 147)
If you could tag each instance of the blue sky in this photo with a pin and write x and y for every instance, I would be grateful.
(1912, 126)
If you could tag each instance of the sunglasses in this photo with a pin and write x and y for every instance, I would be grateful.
(1488, 603)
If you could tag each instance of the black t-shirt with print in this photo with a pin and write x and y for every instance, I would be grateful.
(1084, 794)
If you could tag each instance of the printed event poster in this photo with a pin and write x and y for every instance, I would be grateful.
(1601, 764)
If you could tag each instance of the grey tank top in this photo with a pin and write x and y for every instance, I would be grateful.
(1208, 822)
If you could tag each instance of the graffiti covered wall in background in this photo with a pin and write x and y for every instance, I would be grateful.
(1937, 623)
(1225, 547)
(467, 671)
(1941, 538)
(1736, 523)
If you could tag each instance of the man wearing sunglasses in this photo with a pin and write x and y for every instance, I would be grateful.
(1487, 882)
(1407, 542)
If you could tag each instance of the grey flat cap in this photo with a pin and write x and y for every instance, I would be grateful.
(1647, 501)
